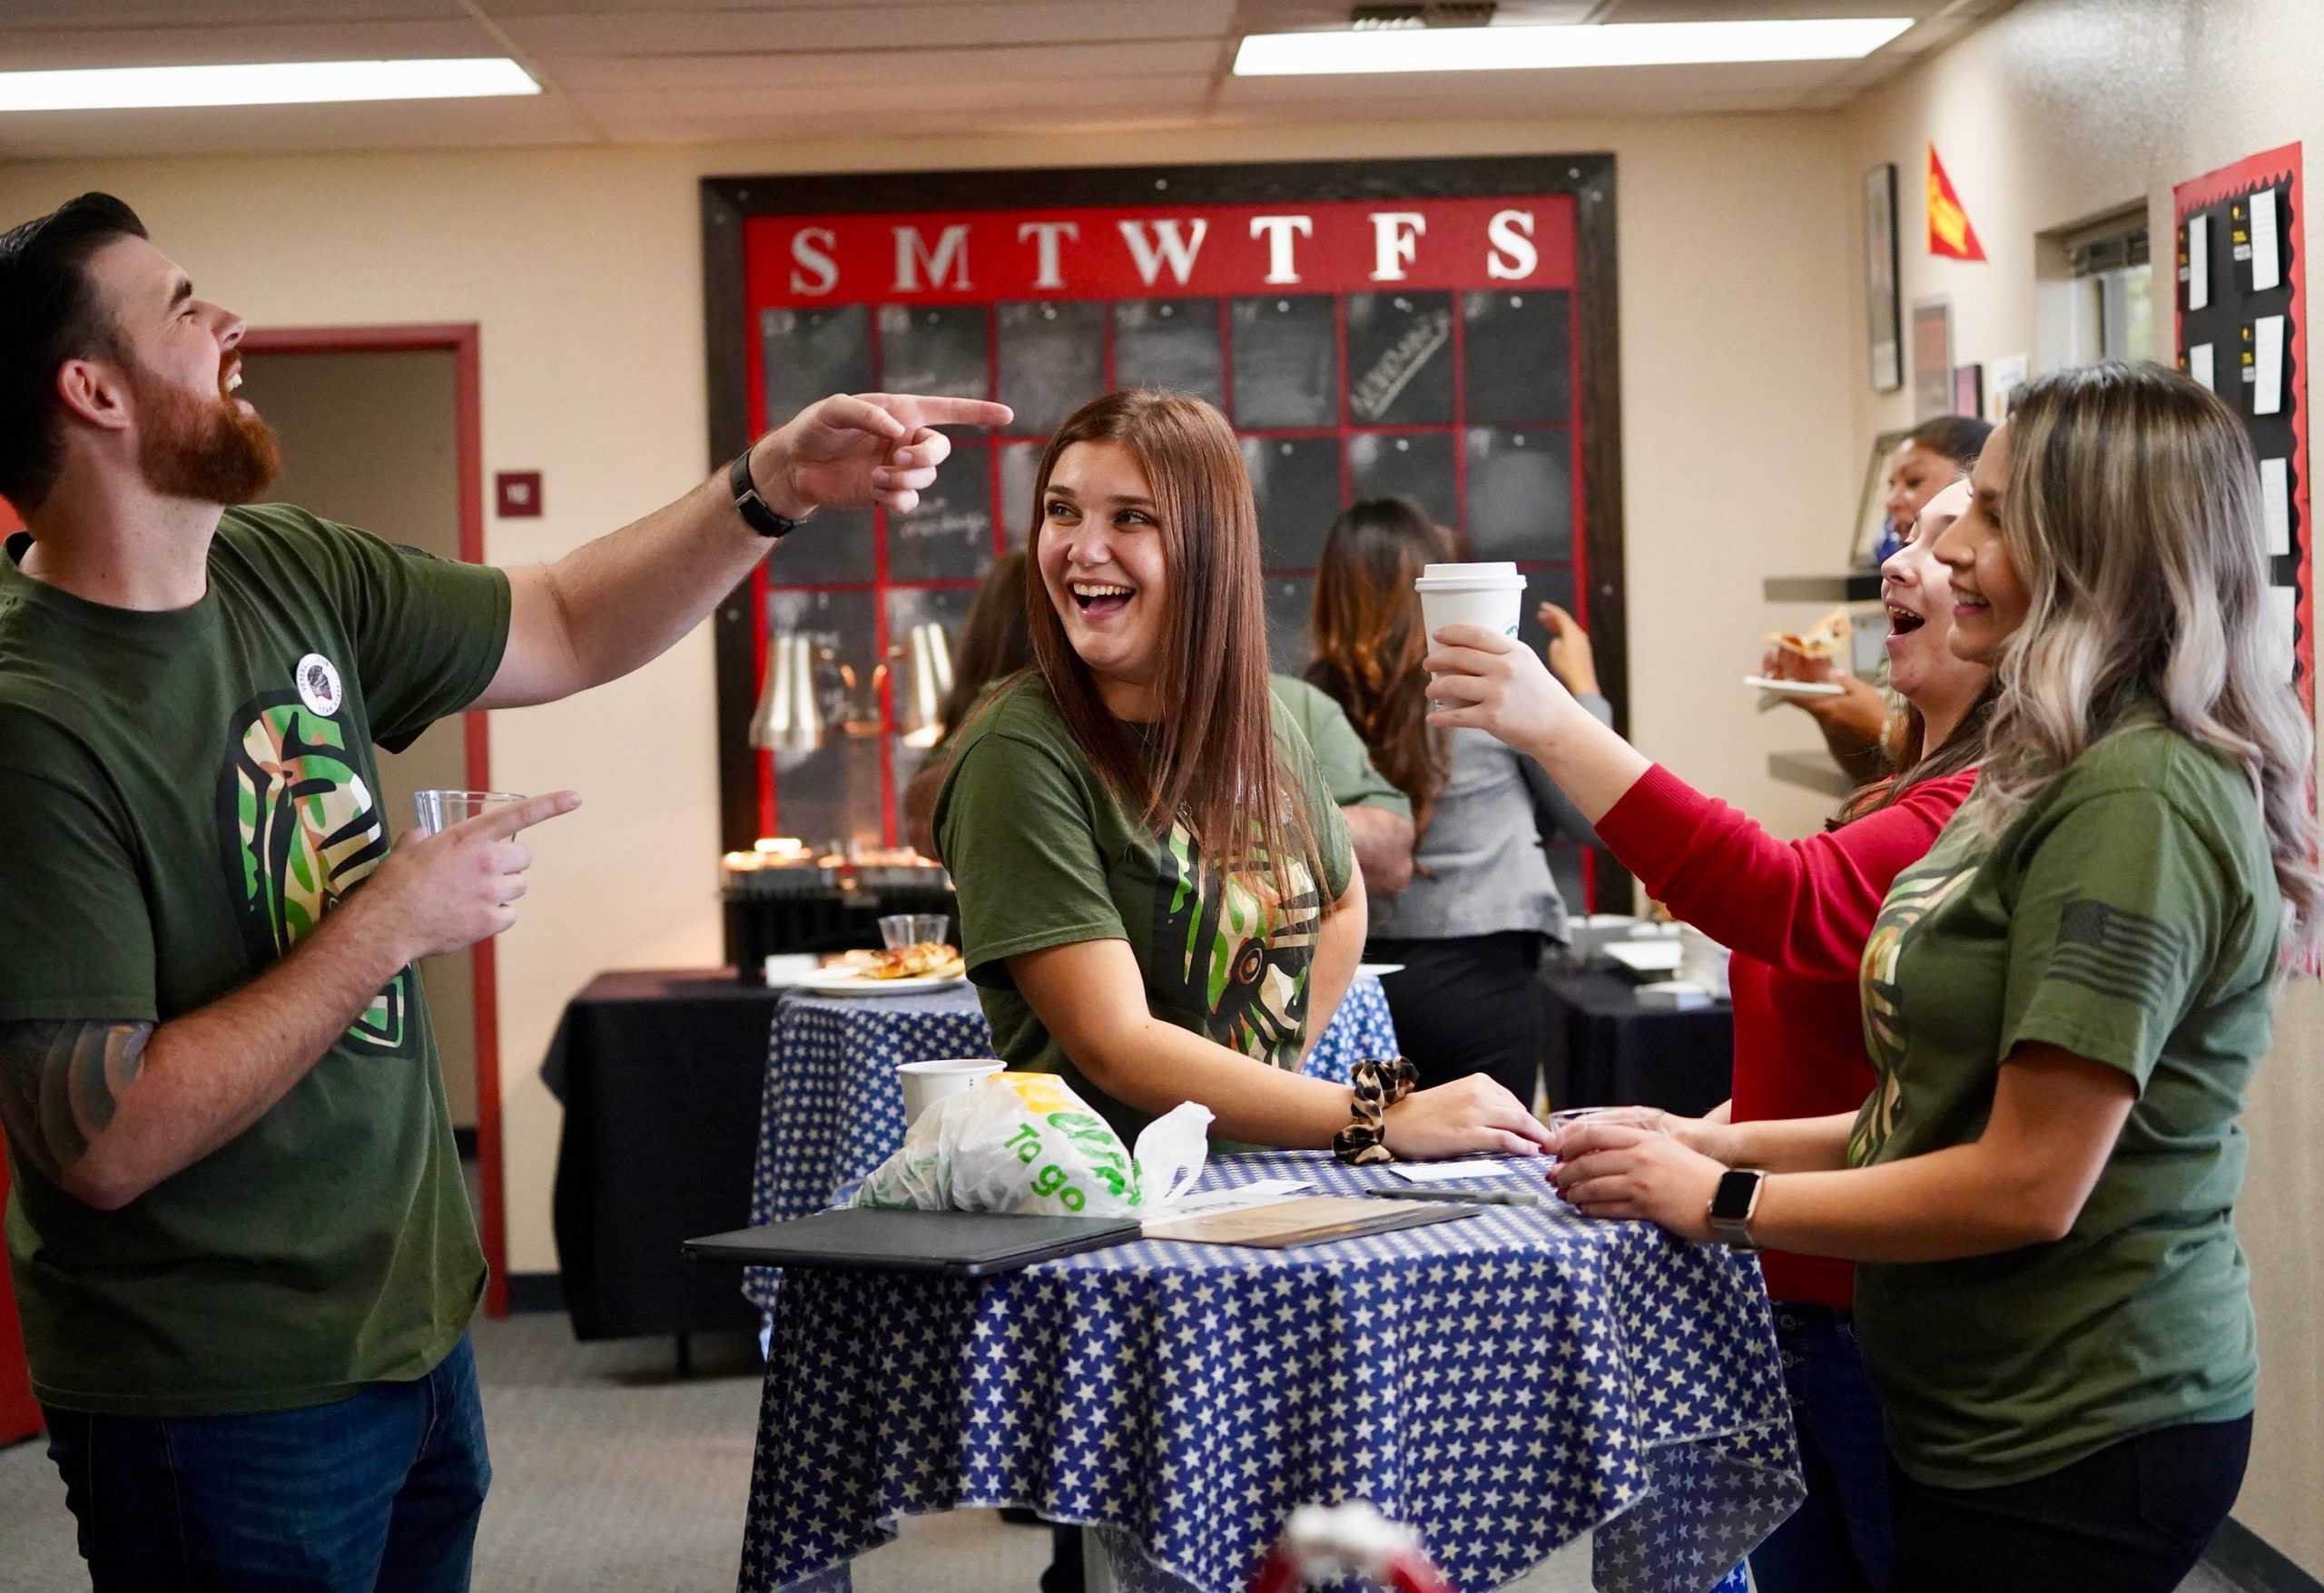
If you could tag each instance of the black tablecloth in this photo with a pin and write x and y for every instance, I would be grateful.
(661, 1072)
(1604, 1049)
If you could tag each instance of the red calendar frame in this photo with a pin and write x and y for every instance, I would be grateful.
(974, 240)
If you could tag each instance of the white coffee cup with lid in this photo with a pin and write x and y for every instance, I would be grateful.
(1488, 594)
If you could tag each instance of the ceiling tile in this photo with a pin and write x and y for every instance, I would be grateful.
(235, 44)
(663, 31)
(1033, 74)
(120, 18)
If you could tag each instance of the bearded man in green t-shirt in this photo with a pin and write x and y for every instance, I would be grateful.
(240, 1245)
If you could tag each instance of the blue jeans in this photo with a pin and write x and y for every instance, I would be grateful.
(1841, 1539)
(380, 1490)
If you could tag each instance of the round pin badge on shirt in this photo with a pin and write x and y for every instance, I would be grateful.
(318, 685)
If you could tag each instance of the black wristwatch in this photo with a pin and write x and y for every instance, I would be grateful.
(757, 513)
(1732, 1205)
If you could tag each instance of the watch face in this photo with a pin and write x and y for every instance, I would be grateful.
(1731, 1202)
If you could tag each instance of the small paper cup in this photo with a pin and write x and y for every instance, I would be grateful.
(927, 1083)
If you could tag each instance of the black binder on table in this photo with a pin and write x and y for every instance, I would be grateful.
(960, 1244)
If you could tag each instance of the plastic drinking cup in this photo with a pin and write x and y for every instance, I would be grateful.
(440, 810)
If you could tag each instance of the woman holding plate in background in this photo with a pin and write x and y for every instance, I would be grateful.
(1930, 456)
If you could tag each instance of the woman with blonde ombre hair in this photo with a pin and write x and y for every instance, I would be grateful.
(1158, 898)
(2064, 1002)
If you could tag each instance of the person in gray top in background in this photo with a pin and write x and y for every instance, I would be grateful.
(1470, 927)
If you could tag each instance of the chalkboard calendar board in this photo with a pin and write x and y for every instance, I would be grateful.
(2241, 306)
(1438, 330)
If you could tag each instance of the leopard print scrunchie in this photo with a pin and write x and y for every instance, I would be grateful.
(1378, 1086)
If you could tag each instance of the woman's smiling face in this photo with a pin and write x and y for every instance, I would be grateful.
(1101, 559)
(1989, 598)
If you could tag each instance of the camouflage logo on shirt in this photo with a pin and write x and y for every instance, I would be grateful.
(301, 828)
(1233, 948)
(1915, 894)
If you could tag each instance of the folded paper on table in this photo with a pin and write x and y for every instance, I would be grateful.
(1446, 1172)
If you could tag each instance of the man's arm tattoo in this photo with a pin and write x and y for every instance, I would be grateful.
(59, 1084)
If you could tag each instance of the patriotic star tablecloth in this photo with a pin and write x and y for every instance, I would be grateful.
(833, 1111)
(1501, 1382)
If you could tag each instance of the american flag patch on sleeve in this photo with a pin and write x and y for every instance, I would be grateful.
(2124, 955)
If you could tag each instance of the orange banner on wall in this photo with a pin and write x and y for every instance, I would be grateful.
(1949, 232)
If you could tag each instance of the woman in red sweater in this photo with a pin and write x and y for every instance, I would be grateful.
(1796, 915)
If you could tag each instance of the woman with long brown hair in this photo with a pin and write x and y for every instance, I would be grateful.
(2064, 1002)
(1470, 927)
(1158, 898)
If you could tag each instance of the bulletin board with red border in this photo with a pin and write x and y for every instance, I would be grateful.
(2232, 226)
(1444, 329)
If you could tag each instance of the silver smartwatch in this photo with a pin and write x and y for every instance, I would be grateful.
(1732, 1205)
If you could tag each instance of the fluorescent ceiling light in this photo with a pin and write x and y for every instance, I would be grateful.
(1517, 49)
(286, 83)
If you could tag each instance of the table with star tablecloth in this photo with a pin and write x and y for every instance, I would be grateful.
(832, 1109)
(1502, 1382)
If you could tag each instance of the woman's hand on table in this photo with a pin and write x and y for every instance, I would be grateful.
(1607, 1168)
(1468, 1117)
(1711, 1134)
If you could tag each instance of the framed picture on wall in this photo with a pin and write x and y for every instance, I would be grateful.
(1883, 336)
(1969, 391)
(1872, 502)
(1932, 358)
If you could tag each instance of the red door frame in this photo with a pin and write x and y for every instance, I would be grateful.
(460, 339)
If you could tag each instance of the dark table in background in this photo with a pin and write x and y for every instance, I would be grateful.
(660, 1071)
(1602, 1049)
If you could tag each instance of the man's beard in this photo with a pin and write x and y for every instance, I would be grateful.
(211, 451)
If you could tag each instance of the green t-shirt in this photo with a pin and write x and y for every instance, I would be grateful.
(183, 795)
(2129, 915)
(1041, 854)
(1340, 752)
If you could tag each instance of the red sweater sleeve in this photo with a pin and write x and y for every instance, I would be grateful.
(1804, 906)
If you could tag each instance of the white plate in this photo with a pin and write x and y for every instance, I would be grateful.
(1644, 955)
(848, 981)
(1793, 688)
(1379, 970)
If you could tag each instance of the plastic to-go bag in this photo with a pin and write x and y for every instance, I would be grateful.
(1025, 1143)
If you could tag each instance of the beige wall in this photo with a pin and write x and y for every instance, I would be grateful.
(583, 271)
(373, 439)
(2059, 111)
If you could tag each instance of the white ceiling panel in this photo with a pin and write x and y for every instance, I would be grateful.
(857, 27)
(129, 16)
(773, 107)
(1066, 71)
(50, 50)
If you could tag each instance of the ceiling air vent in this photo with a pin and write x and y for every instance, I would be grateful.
(1427, 15)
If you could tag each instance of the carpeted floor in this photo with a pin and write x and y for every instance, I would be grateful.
(612, 1475)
